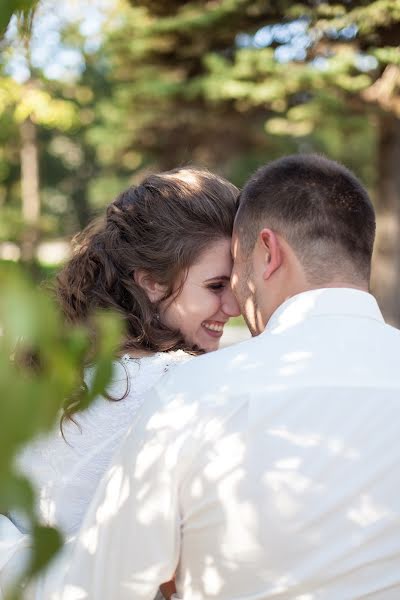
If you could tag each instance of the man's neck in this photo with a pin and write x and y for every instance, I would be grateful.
(337, 283)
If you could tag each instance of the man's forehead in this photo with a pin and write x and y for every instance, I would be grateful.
(235, 245)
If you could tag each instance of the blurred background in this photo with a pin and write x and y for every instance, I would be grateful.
(96, 94)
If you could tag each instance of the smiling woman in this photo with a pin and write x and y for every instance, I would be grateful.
(205, 302)
(161, 259)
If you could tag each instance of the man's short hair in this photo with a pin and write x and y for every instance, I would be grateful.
(319, 207)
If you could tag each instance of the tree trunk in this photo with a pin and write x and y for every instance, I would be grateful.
(30, 194)
(80, 203)
(386, 271)
(79, 192)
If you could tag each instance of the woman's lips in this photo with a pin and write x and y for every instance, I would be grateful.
(214, 328)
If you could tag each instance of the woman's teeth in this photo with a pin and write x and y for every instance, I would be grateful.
(213, 327)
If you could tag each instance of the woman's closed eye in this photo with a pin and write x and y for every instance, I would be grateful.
(217, 287)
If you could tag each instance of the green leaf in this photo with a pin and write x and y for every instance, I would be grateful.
(46, 543)
(16, 493)
(20, 8)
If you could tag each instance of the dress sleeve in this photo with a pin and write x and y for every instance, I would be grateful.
(130, 540)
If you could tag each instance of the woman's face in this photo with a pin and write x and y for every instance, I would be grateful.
(206, 301)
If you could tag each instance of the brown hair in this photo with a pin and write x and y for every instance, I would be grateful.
(319, 207)
(162, 226)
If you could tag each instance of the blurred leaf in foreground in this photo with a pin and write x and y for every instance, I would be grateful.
(41, 366)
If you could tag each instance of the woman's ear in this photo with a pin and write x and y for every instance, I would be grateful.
(272, 252)
(155, 291)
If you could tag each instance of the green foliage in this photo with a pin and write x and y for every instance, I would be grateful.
(369, 17)
(46, 542)
(21, 8)
(41, 361)
(387, 55)
(174, 79)
(176, 66)
(23, 101)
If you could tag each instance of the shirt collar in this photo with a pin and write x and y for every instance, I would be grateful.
(324, 301)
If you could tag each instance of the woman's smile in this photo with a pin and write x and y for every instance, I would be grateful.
(206, 301)
(214, 328)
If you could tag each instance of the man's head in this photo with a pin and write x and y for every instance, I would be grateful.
(303, 222)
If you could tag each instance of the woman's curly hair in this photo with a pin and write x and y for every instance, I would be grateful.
(162, 226)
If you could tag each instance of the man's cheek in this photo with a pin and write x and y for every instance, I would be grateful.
(234, 280)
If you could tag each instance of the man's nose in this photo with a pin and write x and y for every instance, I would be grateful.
(230, 305)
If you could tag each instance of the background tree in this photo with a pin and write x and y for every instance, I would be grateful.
(23, 9)
(28, 105)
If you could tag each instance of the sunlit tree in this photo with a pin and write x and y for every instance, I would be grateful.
(27, 105)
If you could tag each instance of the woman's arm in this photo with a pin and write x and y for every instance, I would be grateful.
(167, 589)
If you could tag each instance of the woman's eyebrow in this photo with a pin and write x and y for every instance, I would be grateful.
(218, 278)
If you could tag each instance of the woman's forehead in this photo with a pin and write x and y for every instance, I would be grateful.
(215, 261)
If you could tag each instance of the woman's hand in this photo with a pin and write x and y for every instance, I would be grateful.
(167, 589)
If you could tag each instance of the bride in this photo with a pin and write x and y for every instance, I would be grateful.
(161, 259)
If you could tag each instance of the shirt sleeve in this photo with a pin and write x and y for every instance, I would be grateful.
(130, 539)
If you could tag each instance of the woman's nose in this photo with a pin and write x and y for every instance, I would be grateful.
(230, 305)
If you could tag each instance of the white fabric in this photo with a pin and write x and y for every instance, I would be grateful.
(14, 552)
(270, 469)
(66, 472)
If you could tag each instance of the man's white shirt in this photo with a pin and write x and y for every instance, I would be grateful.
(270, 469)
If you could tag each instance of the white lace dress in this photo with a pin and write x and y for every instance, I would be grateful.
(66, 472)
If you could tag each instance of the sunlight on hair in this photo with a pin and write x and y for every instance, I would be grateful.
(251, 313)
(235, 245)
(252, 286)
(187, 176)
(234, 280)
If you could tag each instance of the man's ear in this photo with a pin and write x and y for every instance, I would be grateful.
(272, 250)
(155, 291)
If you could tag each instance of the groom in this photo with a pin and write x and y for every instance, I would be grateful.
(270, 469)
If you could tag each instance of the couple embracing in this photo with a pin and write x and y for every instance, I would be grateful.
(269, 469)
